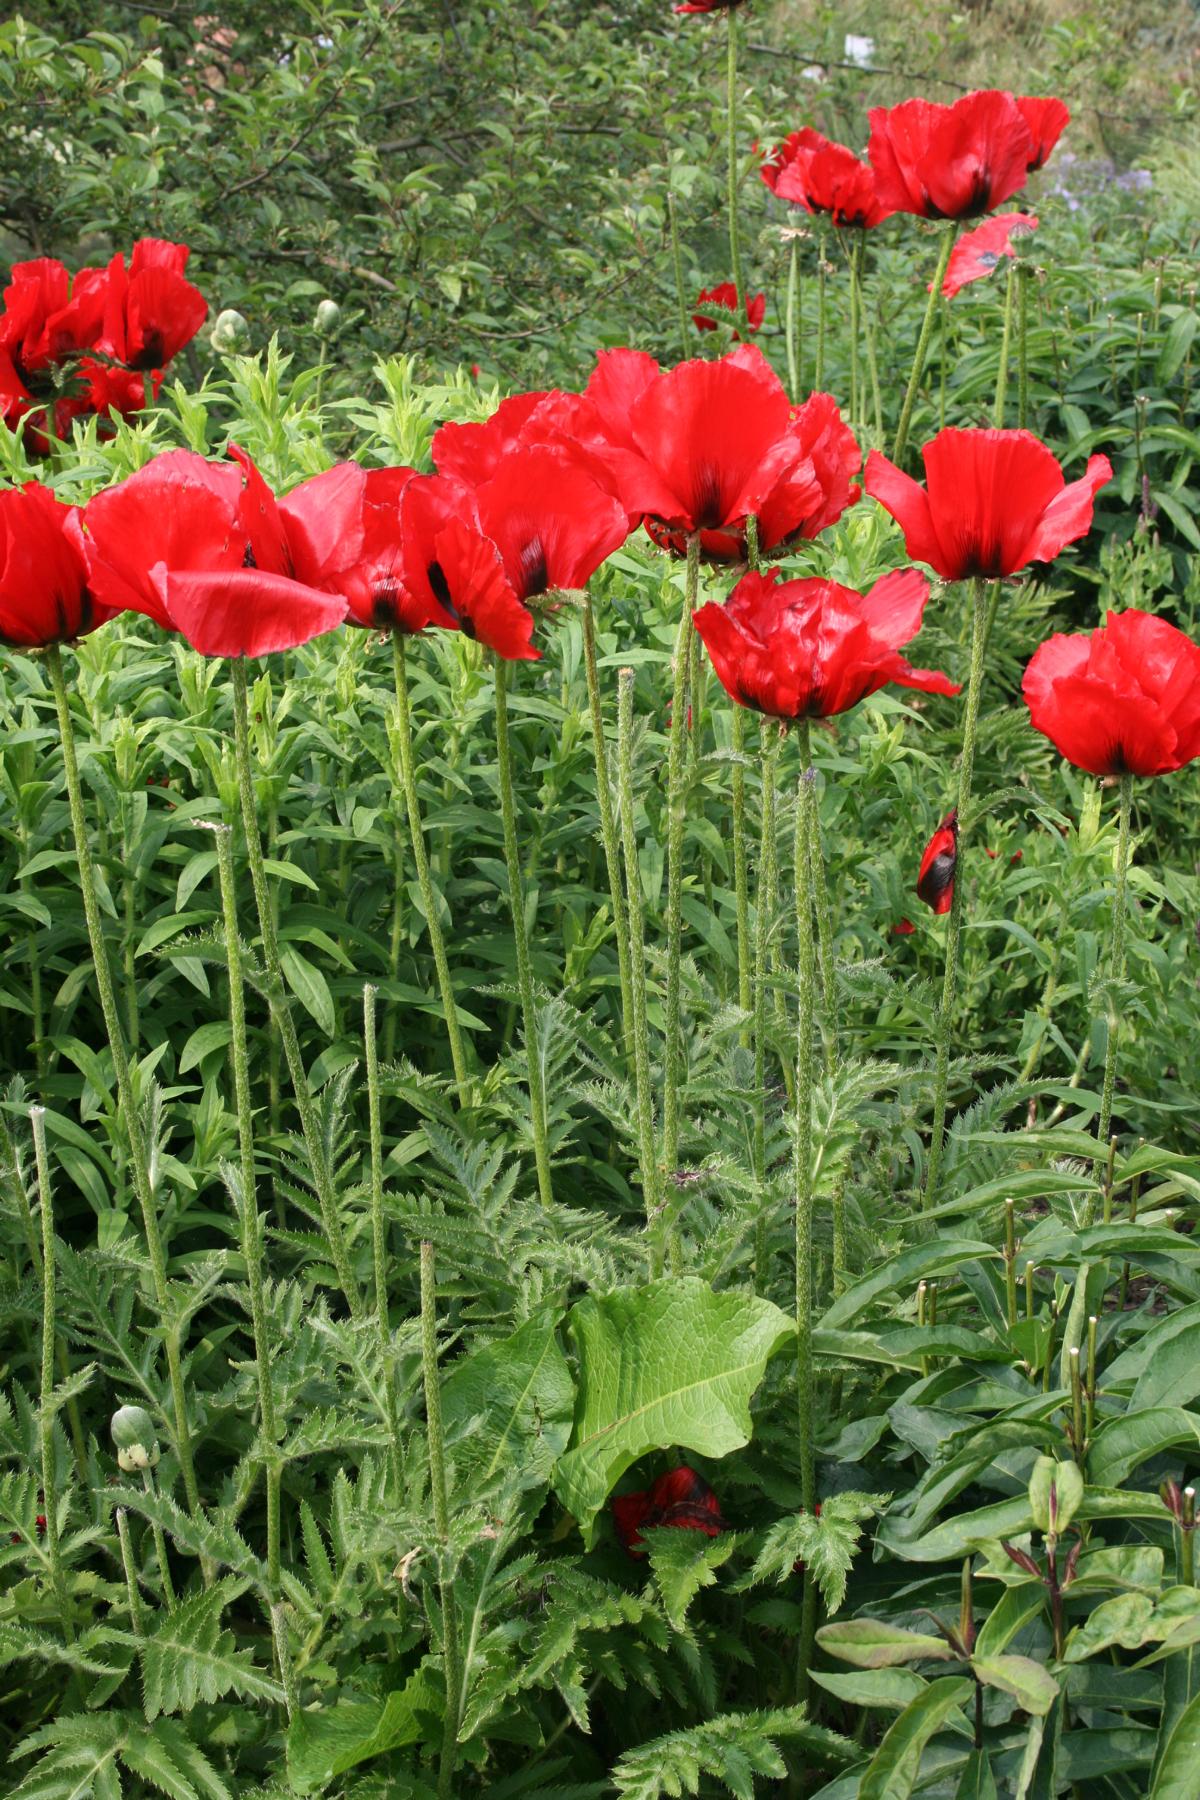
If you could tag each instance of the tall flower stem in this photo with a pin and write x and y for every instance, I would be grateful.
(138, 1159)
(824, 918)
(741, 881)
(433, 923)
(1116, 967)
(647, 1164)
(516, 899)
(1023, 351)
(252, 1246)
(685, 341)
(794, 307)
(608, 824)
(822, 270)
(441, 1523)
(281, 1012)
(58, 1581)
(378, 1239)
(857, 266)
(855, 315)
(949, 232)
(805, 801)
(763, 909)
(735, 252)
(945, 1019)
(1005, 346)
(676, 775)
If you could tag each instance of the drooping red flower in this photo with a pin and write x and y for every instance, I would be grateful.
(902, 928)
(702, 446)
(824, 177)
(949, 162)
(343, 532)
(680, 1498)
(994, 501)
(809, 649)
(935, 878)
(45, 597)
(150, 311)
(979, 253)
(1123, 700)
(1046, 120)
(539, 525)
(725, 295)
(201, 548)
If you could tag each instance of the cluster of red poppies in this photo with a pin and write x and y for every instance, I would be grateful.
(97, 342)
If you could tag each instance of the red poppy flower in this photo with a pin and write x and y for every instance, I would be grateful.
(823, 177)
(1124, 700)
(707, 6)
(201, 548)
(979, 252)
(1014, 858)
(539, 525)
(45, 597)
(1046, 119)
(949, 162)
(809, 649)
(151, 312)
(700, 447)
(680, 1498)
(902, 928)
(935, 878)
(725, 295)
(994, 501)
(343, 532)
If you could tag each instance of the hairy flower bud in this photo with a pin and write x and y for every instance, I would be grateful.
(327, 321)
(134, 1435)
(230, 333)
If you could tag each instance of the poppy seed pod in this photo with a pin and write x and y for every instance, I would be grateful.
(136, 1440)
(230, 333)
(327, 321)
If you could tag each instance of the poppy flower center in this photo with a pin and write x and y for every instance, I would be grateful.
(535, 577)
(152, 354)
(708, 511)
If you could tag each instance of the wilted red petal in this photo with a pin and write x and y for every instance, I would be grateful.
(824, 177)
(979, 253)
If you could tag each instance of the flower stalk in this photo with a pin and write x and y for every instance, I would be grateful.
(429, 902)
(949, 232)
(794, 301)
(676, 819)
(37, 1115)
(1116, 967)
(378, 1237)
(647, 1164)
(126, 1096)
(945, 1018)
(441, 1523)
(516, 898)
(281, 1012)
(608, 824)
(735, 253)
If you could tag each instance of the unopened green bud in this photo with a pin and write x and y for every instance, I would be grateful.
(230, 332)
(134, 1435)
(328, 320)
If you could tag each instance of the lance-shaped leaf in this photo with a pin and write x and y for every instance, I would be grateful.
(1032, 1687)
(895, 1767)
(874, 1644)
(668, 1365)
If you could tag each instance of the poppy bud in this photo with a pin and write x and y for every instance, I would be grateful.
(935, 879)
(902, 928)
(681, 1498)
(134, 1435)
(328, 320)
(230, 332)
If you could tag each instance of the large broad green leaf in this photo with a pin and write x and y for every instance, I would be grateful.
(1131, 1620)
(893, 1770)
(1132, 1439)
(508, 1407)
(890, 1689)
(1175, 1777)
(1171, 1376)
(672, 1364)
(937, 1257)
(326, 1742)
(1032, 1687)
(874, 1644)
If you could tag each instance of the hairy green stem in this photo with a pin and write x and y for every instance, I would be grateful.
(855, 316)
(648, 1167)
(819, 374)
(608, 824)
(441, 1523)
(137, 1620)
(857, 266)
(516, 898)
(763, 908)
(1005, 343)
(685, 341)
(735, 253)
(949, 231)
(676, 820)
(741, 885)
(793, 322)
(1023, 353)
(945, 1019)
(378, 1238)
(160, 1547)
(252, 1245)
(1116, 968)
(126, 1096)
(281, 1011)
(433, 923)
(37, 1115)
(805, 800)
